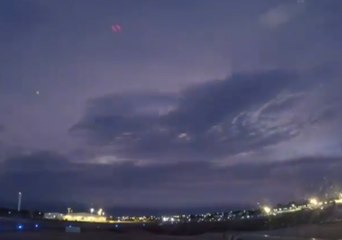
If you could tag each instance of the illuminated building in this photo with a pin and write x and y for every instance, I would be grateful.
(84, 217)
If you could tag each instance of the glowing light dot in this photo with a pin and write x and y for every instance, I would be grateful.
(37, 92)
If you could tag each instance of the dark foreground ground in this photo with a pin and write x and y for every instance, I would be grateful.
(312, 231)
(305, 232)
(102, 236)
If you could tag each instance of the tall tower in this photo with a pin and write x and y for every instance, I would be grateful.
(19, 201)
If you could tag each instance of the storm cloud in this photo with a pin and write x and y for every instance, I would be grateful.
(244, 113)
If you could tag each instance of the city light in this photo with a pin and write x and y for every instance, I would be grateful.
(267, 209)
(339, 199)
(313, 201)
(264, 211)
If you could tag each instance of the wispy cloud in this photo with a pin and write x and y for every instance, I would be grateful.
(281, 14)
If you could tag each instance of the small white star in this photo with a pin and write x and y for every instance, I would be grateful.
(37, 92)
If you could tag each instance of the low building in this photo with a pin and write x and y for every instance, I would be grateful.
(84, 217)
(54, 216)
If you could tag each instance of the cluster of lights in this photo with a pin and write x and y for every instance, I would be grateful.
(100, 212)
(314, 201)
(206, 217)
(136, 218)
(168, 219)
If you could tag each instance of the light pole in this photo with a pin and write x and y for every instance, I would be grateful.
(19, 201)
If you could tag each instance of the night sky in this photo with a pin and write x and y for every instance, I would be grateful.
(169, 104)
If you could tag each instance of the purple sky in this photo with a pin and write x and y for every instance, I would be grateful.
(193, 103)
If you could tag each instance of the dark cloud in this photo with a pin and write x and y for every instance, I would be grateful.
(115, 115)
(211, 102)
(58, 179)
(35, 174)
(37, 161)
(209, 120)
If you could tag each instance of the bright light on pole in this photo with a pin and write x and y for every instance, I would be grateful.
(92, 210)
